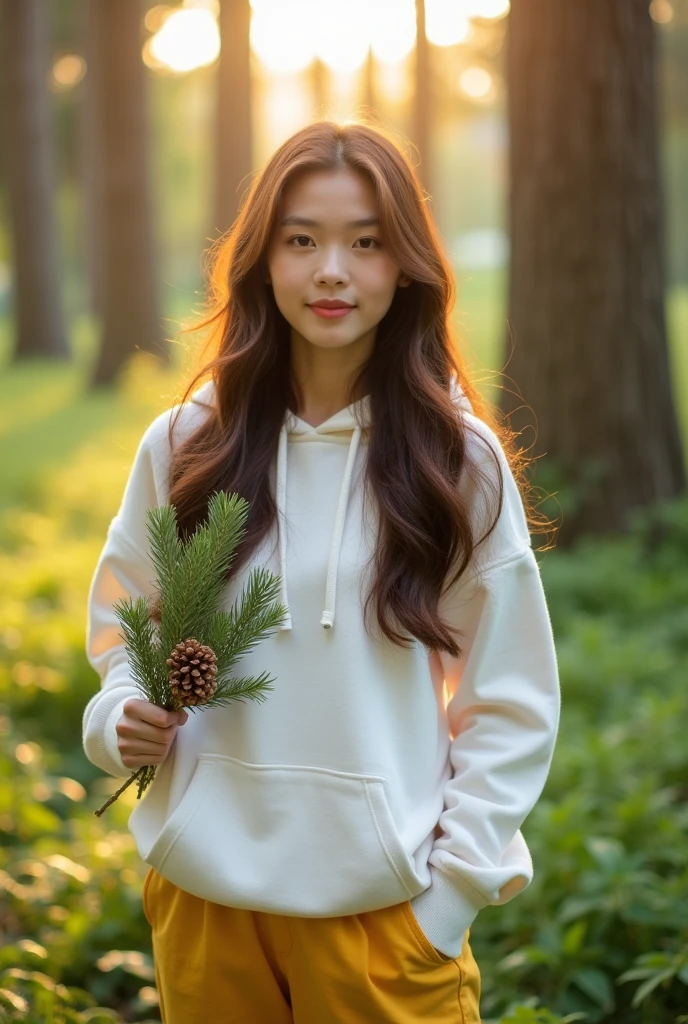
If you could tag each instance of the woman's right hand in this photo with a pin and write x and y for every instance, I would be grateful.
(146, 732)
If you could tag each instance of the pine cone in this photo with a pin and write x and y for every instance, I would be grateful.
(193, 667)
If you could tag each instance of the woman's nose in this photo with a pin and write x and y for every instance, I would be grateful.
(333, 266)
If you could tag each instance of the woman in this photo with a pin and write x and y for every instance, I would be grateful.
(320, 857)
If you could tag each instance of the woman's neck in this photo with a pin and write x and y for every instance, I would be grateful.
(322, 378)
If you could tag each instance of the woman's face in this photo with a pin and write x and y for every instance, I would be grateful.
(327, 244)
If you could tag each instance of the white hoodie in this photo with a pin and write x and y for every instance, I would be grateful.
(371, 774)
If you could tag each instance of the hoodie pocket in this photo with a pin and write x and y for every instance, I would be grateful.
(285, 839)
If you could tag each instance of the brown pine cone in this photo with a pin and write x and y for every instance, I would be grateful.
(193, 667)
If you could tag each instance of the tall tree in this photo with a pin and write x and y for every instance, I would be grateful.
(370, 97)
(234, 157)
(29, 166)
(422, 102)
(128, 286)
(319, 80)
(88, 171)
(586, 292)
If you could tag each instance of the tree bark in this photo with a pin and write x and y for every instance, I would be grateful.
(30, 169)
(422, 104)
(89, 172)
(128, 285)
(234, 159)
(587, 276)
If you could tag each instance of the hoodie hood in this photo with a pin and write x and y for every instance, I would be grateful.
(345, 427)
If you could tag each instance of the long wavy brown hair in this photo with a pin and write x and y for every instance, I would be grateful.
(417, 443)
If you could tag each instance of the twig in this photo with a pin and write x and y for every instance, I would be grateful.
(141, 771)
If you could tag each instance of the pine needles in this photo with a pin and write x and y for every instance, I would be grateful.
(190, 579)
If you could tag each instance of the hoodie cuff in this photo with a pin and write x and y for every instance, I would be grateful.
(100, 737)
(445, 910)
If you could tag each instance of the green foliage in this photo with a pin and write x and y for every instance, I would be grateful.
(147, 665)
(190, 577)
(527, 1014)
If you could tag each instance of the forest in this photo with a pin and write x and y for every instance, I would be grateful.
(552, 141)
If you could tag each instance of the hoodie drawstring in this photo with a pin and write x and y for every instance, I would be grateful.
(282, 519)
(327, 619)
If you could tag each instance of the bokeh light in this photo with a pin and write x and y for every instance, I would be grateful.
(286, 37)
(187, 39)
(280, 35)
(67, 71)
(661, 11)
(486, 8)
(476, 82)
(156, 16)
(446, 23)
(391, 34)
(339, 41)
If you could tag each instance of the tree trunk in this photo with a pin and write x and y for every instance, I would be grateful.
(234, 161)
(90, 206)
(128, 267)
(319, 79)
(370, 100)
(422, 105)
(29, 165)
(586, 290)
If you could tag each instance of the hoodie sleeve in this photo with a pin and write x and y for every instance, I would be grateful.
(124, 569)
(503, 715)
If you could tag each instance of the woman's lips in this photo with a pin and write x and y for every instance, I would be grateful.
(331, 314)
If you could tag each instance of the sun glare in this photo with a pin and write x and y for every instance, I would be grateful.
(486, 8)
(287, 36)
(187, 39)
(280, 36)
(155, 17)
(339, 42)
(446, 23)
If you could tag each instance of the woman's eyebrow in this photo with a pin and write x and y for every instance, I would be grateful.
(364, 222)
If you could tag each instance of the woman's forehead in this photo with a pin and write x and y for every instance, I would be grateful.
(343, 193)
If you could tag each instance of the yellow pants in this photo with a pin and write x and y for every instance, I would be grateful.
(223, 965)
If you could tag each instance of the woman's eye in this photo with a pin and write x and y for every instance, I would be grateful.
(376, 241)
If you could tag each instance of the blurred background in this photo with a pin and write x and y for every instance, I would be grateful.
(551, 139)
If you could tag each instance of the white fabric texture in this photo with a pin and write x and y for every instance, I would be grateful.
(371, 774)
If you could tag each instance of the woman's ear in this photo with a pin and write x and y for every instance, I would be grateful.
(403, 281)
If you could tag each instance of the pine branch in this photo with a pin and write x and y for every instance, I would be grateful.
(191, 578)
(257, 614)
(139, 638)
(248, 687)
(166, 547)
(211, 550)
(191, 593)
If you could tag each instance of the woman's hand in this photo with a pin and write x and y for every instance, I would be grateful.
(146, 732)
